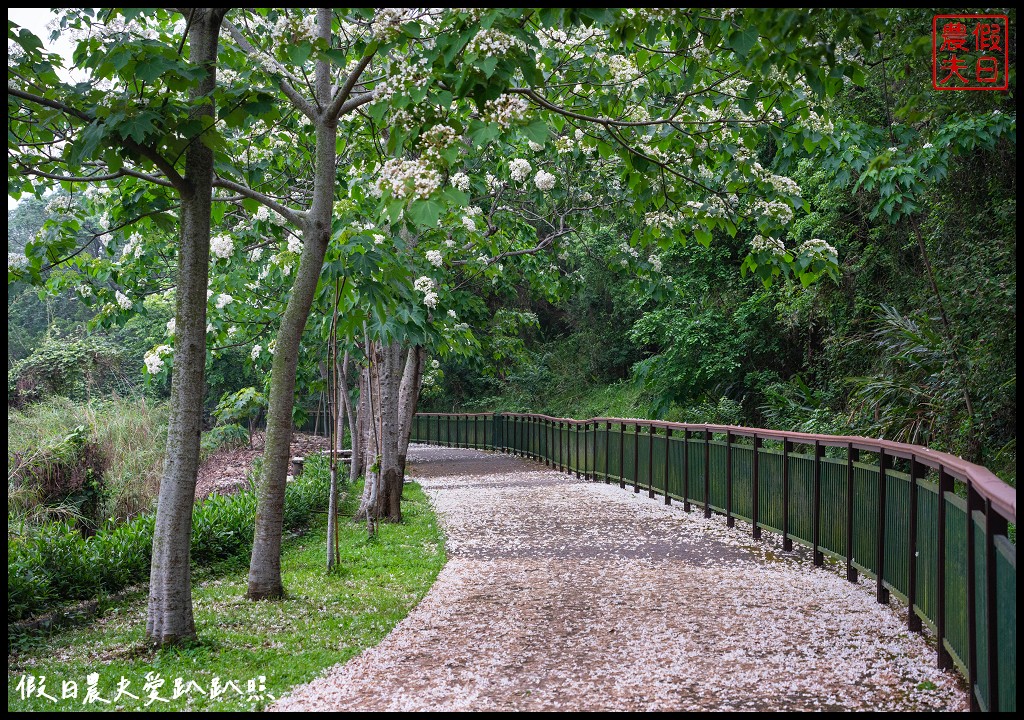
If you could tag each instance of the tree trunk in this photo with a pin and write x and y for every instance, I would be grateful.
(169, 619)
(408, 397)
(265, 566)
(368, 402)
(382, 495)
(355, 469)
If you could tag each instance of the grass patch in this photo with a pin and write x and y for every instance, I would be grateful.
(324, 620)
(54, 445)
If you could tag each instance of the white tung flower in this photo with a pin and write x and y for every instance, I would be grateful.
(435, 364)
(153, 363)
(460, 181)
(171, 325)
(435, 258)
(222, 246)
(467, 222)
(223, 300)
(430, 299)
(256, 350)
(452, 315)
(544, 181)
(771, 245)
(423, 284)
(816, 246)
(123, 300)
(519, 169)
(294, 245)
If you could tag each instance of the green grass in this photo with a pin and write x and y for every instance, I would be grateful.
(126, 435)
(324, 620)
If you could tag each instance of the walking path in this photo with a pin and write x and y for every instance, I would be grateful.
(562, 594)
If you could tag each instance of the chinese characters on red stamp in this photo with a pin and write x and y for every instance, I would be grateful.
(969, 52)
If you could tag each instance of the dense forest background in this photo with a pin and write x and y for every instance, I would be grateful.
(916, 341)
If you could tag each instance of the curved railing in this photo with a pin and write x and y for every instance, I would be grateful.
(928, 527)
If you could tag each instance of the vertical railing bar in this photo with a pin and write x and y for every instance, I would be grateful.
(590, 441)
(576, 427)
(650, 460)
(563, 445)
(563, 459)
(852, 456)
(818, 557)
(607, 450)
(622, 455)
(972, 603)
(707, 472)
(543, 441)
(636, 457)
(943, 658)
(556, 438)
(668, 439)
(913, 620)
(881, 593)
(995, 524)
(730, 521)
(787, 541)
(686, 470)
(755, 490)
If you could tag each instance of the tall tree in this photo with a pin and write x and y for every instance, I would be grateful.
(110, 130)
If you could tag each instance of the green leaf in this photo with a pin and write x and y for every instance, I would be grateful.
(425, 213)
(703, 236)
(744, 40)
(537, 131)
(483, 133)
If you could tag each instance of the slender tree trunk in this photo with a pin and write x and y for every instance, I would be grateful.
(265, 566)
(390, 503)
(355, 468)
(408, 397)
(369, 403)
(382, 494)
(169, 617)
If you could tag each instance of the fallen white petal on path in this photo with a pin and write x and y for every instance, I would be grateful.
(562, 594)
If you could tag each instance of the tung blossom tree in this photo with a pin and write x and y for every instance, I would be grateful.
(417, 153)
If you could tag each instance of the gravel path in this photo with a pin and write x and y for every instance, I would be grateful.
(560, 594)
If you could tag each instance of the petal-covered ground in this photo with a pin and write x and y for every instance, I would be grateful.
(562, 594)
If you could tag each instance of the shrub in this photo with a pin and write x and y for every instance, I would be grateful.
(84, 462)
(54, 563)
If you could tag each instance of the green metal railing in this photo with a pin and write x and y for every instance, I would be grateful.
(926, 526)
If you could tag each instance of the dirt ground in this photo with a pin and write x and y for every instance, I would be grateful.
(561, 594)
(224, 472)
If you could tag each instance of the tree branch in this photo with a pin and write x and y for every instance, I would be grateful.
(303, 105)
(167, 168)
(334, 109)
(295, 217)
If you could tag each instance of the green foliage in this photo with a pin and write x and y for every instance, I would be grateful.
(54, 563)
(72, 367)
(83, 462)
(245, 405)
(223, 436)
(324, 618)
